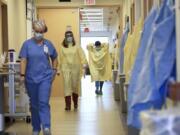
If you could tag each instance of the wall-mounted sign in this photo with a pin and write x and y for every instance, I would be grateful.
(89, 2)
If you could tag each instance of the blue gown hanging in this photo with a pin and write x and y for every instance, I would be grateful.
(122, 45)
(153, 65)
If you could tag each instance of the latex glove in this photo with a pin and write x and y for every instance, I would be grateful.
(84, 69)
(84, 66)
(54, 74)
(84, 73)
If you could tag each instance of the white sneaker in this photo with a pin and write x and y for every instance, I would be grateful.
(46, 131)
(35, 133)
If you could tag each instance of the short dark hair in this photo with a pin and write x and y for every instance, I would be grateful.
(97, 43)
(64, 43)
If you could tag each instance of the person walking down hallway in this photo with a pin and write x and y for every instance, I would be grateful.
(72, 62)
(99, 64)
(99, 85)
(38, 69)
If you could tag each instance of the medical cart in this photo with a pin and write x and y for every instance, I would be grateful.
(18, 101)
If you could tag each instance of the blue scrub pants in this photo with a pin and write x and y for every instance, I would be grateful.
(99, 84)
(39, 94)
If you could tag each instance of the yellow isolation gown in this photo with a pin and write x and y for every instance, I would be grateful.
(127, 51)
(71, 62)
(100, 62)
(131, 49)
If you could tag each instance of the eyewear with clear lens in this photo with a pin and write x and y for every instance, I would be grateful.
(69, 35)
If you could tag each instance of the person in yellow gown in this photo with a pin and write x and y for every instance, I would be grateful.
(100, 64)
(72, 61)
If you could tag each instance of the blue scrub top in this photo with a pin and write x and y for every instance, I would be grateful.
(38, 65)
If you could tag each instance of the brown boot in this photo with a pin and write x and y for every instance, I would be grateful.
(68, 103)
(75, 100)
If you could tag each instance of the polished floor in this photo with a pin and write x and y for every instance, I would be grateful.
(97, 115)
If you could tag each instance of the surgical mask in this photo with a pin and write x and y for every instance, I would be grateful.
(98, 48)
(38, 36)
(69, 39)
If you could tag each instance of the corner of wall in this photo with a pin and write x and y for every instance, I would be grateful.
(0, 28)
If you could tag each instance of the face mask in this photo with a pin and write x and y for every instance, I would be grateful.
(38, 36)
(98, 48)
(69, 39)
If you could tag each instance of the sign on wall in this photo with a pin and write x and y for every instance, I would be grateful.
(89, 2)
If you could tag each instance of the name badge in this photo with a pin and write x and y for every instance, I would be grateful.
(45, 49)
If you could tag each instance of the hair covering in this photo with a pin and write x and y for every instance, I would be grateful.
(68, 28)
(97, 43)
(40, 24)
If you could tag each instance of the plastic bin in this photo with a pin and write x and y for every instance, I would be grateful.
(115, 86)
(123, 102)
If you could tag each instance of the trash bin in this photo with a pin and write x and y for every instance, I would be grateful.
(125, 96)
(123, 103)
(133, 131)
(1, 105)
(115, 86)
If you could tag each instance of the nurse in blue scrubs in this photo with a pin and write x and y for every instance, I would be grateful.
(38, 69)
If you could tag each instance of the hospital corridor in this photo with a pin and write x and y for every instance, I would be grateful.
(98, 115)
(89, 67)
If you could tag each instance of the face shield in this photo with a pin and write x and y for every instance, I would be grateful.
(69, 37)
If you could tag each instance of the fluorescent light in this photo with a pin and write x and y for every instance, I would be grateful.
(94, 14)
(92, 10)
(94, 21)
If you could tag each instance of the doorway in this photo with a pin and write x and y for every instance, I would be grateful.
(96, 24)
(87, 80)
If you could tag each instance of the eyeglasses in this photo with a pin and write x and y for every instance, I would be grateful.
(69, 35)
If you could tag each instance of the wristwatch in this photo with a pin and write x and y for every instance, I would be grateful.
(22, 75)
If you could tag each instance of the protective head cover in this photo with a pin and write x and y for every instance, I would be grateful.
(98, 45)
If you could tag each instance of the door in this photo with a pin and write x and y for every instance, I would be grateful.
(57, 20)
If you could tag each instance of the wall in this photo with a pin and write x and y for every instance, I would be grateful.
(142, 8)
(4, 29)
(31, 15)
(178, 40)
(126, 4)
(74, 3)
(0, 29)
(16, 23)
(56, 21)
(138, 10)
